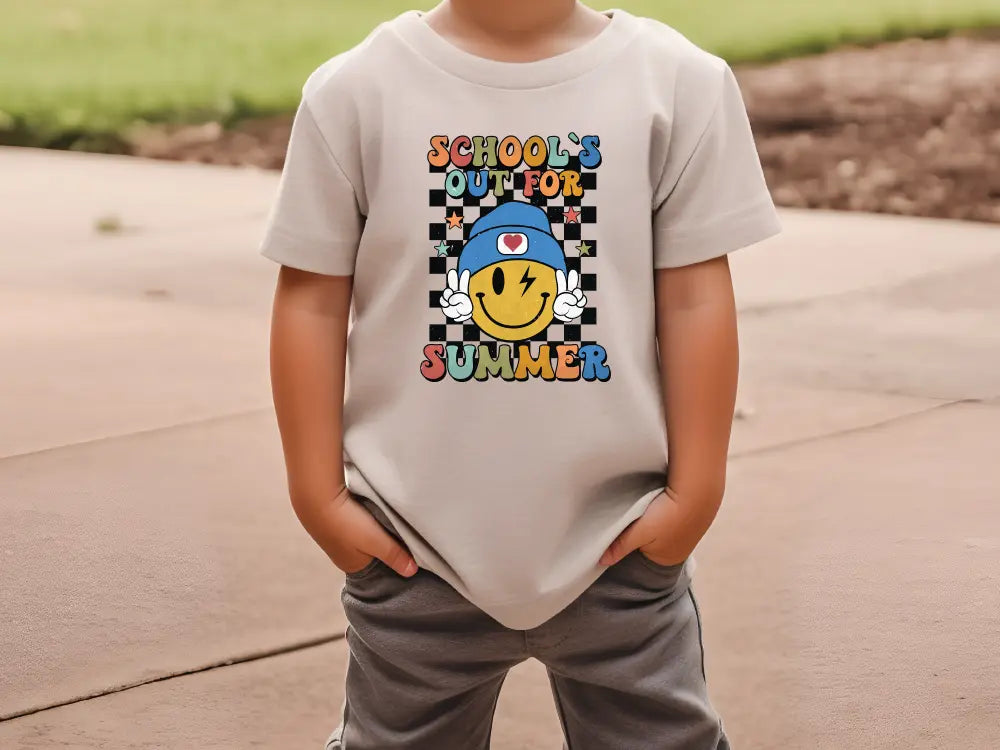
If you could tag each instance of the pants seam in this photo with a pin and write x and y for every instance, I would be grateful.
(560, 711)
(493, 713)
(701, 641)
(343, 723)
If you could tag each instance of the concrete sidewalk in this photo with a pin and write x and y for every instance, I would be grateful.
(156, 590)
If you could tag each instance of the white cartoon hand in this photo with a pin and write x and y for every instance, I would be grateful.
(455, 300)
(569, 301)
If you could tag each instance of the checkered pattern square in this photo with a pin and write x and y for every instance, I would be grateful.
(573, 220)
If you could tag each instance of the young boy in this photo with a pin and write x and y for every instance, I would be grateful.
(527, 207)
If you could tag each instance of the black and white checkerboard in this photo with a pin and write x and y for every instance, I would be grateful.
(570, 234)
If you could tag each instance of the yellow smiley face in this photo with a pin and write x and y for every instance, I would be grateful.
(512, 299)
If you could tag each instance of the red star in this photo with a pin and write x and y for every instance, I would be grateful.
(571, 215)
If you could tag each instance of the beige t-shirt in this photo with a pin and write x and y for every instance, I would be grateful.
(502, 222)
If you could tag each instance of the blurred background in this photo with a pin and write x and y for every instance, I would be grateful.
(155, 588)
(907, 128)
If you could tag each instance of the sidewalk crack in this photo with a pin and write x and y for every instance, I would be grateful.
(145, 431)
(750, 452)
(250, 657)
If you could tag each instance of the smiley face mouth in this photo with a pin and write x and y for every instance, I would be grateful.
(541, 309)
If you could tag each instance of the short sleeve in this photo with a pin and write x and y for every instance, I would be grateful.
(711, 198)
(316, 223)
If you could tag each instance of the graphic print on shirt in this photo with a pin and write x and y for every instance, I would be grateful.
(511, 248)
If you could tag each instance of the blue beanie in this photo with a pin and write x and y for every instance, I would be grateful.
(512, 217)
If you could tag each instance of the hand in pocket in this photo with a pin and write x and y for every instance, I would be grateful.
(666, 533)
(351, 537)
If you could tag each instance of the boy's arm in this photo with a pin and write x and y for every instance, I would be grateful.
(699, 363)
(308, 358)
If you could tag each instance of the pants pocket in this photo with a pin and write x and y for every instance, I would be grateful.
(364, 572)
(644, 577)
(658, 567)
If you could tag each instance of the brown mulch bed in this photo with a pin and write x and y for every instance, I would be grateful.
(909, 127)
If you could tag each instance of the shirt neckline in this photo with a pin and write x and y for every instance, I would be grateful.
(413, 30)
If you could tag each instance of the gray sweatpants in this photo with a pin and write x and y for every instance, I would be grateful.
(625, 663)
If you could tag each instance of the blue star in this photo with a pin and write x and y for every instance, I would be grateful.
(442, 248)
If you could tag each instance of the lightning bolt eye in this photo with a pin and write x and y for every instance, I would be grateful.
(526, 279)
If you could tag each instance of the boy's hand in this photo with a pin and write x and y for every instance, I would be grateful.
(352, 537)
(666, 533)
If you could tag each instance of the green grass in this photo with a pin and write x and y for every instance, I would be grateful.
(76, 72)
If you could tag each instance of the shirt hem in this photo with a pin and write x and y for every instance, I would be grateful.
(304, 255)
(510, 612)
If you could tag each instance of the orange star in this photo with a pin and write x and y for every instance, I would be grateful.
(571, 215)
(455, 220)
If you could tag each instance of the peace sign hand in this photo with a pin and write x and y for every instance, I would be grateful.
(569, 302)
(455, 300)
